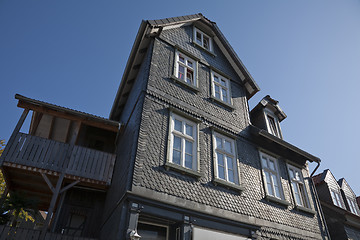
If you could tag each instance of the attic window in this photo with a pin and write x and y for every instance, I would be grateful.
(273, 125)
(352, 205)
(202, 39)
(335, 195)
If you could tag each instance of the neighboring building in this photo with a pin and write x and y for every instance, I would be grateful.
(339, 205)
(191, 161)
(65, 163)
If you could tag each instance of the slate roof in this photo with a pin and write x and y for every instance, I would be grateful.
(319, 178)
(152, 28)
(268, 101)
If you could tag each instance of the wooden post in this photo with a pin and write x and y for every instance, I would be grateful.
(52, 205)
(15, 132)
(56, 193)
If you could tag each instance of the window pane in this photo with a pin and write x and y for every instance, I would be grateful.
(189, 76)
(223, 82)
(228, 147)
(176, 156)
(224, 95)
(291, 172)
(181, 58)
(264, 162)
(218, 143)
(190, 64)
(181, 72)
(296, 193)
(198, 38)
(268, 184)
(276, 186)
(231, 176)
(217, 91)
(177, 143)
(297, 176)
(272, 165)
(216, 79)
(178, 125)
(220, 159)
(188, 161)
(230, 163)
(206, 43)
(221, 172)
(188, 147)
(189, 130)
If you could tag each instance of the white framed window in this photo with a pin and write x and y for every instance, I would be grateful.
(336, 198)
(183, 142)
(271, 176)
(220, 87)
(225, 160)
(273, 125)
(352, 205)
(298, 187)
(202, 39)
(185, 68)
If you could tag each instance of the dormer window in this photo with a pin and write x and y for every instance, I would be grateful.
(202, 39)
(273, 125)
(335, 195)
(352, 205)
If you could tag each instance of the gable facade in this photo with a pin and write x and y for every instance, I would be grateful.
(179, 182)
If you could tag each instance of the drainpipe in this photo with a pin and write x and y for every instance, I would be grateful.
(317, 200)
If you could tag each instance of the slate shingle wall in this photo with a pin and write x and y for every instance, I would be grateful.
(163, 92)
(162, 70)
(126, 150)
(152, 174)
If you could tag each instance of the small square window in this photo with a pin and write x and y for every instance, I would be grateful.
(220, 87)
(202, 40)
(183, 142)
(185, 69)
(225, 160)
(271, 176)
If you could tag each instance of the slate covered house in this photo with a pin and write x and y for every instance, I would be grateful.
(181, 156)
(192, 161)
(339, 205)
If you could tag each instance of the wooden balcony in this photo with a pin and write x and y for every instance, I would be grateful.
(12, 233)
(39, 154)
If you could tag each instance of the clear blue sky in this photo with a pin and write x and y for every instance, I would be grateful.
(306, 54)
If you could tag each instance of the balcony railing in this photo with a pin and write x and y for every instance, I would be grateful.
(41, 153)
(12, 233)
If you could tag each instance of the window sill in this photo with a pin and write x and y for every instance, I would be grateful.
(277, 200)
(185, 84)
(206, 50)
(305, 209)
(220, 182)
(183, 170)
(222, 103)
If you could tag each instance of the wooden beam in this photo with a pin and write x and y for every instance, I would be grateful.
(35, 122)
(48, 182)
(69, 116)
(51, 127)
(69, 186)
